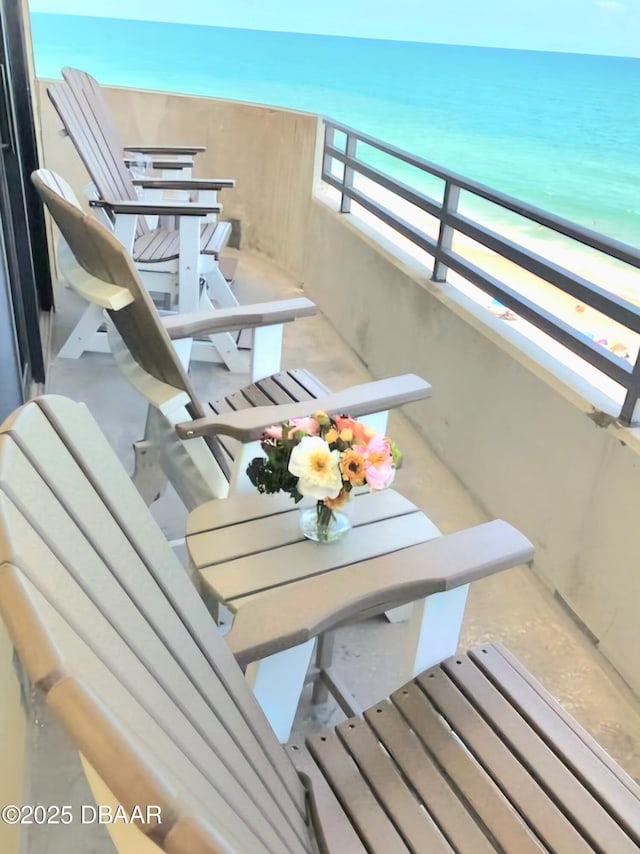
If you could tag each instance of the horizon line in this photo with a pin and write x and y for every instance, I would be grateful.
(339, 35)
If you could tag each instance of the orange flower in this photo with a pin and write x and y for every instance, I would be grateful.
(352, 466)
(339, 501)
(360, 432)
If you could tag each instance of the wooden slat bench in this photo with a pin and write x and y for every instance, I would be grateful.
(471, 756)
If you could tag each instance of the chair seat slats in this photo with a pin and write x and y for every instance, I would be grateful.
(311, 386)
(333, 828)
(423, 775)
(411, 820)
(343, 775)
(492, 810)
(608, 782)
(554, 776)
(546, 819)
(163, 244)
(451, 743)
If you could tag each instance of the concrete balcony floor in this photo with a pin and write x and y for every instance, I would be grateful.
(513, 607)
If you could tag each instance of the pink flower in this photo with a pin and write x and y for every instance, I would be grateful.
(379, 477)
(273, 432)
(309, 425)
(379, 470)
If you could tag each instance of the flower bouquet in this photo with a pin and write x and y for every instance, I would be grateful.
(324, 458)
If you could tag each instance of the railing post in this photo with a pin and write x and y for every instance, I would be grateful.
(347, 181)
(329, 140)
(630, 412)
(445, 234)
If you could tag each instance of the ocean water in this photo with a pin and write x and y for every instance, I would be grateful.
(561, 131)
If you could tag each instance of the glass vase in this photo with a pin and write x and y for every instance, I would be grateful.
(322, 524)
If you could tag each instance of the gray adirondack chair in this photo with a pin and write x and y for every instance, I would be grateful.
(472, 756)
(173, 261)
(199, 468)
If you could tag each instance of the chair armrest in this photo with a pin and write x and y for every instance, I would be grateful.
(239, 317)
(177, 165)
(307, 608)
(247, 425)
(185, 184)
(167, 149)
(160, 208)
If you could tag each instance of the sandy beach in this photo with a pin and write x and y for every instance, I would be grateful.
(614, 276)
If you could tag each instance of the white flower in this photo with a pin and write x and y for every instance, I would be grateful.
(317, 467)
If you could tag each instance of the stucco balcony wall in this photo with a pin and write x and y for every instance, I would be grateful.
(515, 426)
(268, 151)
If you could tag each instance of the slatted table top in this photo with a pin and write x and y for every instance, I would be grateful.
(250, 544)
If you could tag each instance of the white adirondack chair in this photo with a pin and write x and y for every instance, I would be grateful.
(181, 262)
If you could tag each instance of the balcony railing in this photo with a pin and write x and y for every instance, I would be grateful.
(341, 147)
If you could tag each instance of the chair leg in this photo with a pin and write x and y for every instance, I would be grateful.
(434, 629)
(219, 289)
(224, 342)
(277, 683)
(148, 476)
(83, 333)
(324, 657)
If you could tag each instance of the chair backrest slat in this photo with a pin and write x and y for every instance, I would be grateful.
(86, 88)
(137, 777)
(105, 166)
(77, 529)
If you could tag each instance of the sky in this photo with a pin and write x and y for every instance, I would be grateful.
(579, 26)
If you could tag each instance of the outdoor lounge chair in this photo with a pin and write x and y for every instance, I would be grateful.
(173, 261)
(199, 469)
(472, 756)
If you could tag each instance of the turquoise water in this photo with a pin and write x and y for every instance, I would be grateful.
(561, 131)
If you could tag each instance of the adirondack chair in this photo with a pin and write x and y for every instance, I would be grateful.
(472, 756)
(171, 160)
(199, 469)
(171, 261)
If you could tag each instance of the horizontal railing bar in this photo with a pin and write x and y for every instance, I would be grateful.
(616, 308)
(613, 366)
(609, 304)
(404, 191)
(615, 248)
(415, 235)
